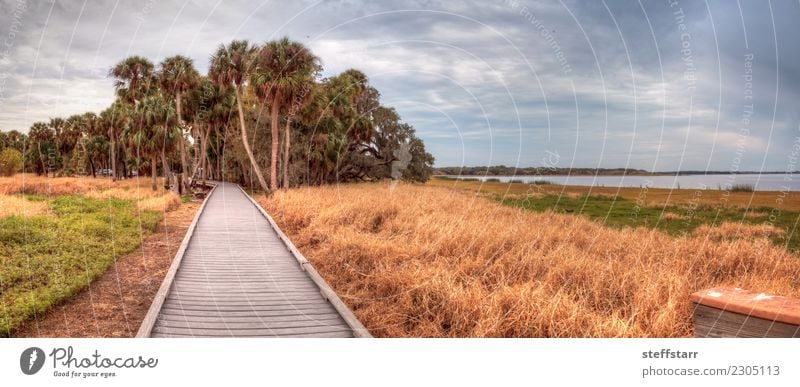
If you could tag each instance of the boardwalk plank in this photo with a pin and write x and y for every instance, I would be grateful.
(271, 319)
(258, 331)
(259, 303)
(250, 313)
(343, 334)
(251, 296)
(336, 324)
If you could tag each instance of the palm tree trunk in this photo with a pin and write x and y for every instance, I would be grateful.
(197, 135)
(165, 166)
(113, 154)
(153, 172)
(253, 163)
(273, 168)
(219, 161)
(204, 155)
(88, 157)
(218, 153)
(286, 140)
(41, 159)
(181, 144)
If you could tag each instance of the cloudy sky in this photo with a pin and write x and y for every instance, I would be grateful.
(657, 85)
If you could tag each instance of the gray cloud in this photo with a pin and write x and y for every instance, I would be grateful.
(484, 82)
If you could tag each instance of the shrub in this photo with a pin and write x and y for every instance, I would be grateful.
(10, 161)
(743, 188)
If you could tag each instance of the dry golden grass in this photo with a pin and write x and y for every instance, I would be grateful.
(424, 261)
(755, 215)
(167, 202)
(19, 206)
(41, 185)
(731, 230)
(145, 198)
(136, 190)
(667, 216)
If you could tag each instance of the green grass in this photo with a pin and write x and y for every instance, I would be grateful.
(621, 212)
(46, 259)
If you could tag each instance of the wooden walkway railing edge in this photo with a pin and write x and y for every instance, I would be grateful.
(327, 292)
(736, 312)
(149, 321)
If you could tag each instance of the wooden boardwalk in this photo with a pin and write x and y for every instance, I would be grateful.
(237, 275)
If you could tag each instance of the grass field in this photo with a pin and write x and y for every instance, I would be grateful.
(61, 234)
(421, 261)
(676, 212)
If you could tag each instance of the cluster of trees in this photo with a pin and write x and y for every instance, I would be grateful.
(262, 116)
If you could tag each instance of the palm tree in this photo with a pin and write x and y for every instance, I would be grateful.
(41, 135)
(72, 131)
(178, 76)
(96, 148)
(284, 68)
(134, 76)
(211, 105)
(58, 126)
(151, 117)
(89, 126)
(218, 121)
(298, 95)
(199, 101)
(114, 119)
(231, 66)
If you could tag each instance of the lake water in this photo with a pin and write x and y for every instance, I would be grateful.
(771, 182)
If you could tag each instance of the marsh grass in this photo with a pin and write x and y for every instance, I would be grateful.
(418, 261)
(46, 259)
(59, 234)
(682, 219)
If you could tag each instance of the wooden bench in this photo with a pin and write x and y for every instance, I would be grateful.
(734, 312)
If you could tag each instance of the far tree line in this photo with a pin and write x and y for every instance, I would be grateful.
(262, 117)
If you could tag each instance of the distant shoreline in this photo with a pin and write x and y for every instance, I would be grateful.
(529, 171)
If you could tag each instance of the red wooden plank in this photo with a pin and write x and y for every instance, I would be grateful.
(750, 303)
